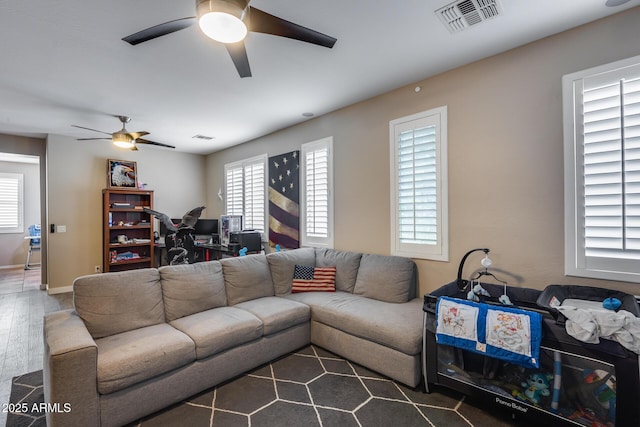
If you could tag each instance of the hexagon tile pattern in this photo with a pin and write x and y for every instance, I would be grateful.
(313, 387)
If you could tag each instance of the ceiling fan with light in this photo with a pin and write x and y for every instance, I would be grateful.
(123, 138)
(228, 22)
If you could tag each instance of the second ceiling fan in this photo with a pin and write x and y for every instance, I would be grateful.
(228, 22)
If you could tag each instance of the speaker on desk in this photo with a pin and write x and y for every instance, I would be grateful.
(215, 239)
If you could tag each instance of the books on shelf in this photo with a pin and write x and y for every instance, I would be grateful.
(122, 205)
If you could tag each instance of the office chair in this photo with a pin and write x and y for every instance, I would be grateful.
(34, 244)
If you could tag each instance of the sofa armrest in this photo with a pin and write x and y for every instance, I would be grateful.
(70, 371)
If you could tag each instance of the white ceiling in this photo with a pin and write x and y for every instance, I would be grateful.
(63, 62)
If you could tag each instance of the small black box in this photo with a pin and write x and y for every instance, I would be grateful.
(246, 239)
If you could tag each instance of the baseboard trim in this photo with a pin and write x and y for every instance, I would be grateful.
(60, 290)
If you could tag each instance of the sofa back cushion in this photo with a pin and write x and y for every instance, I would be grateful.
(346, 263)
(247, 278)
(283, 263)
(386, 278)
(112, 303)
(192, 288)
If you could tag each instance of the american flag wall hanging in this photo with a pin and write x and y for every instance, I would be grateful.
(284, 200)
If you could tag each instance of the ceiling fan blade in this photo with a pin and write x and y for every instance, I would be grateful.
(136, 135)
(160, 30)
(159, 144)
(262, 22)
(94, 130)
(133, 148)
(239, 57)
(93, 139)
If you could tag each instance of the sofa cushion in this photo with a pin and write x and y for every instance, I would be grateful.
(134, 356)
(219, 329)
(386, 278)
(192, 288)
(246, 278)
(347, 264)
(283, 263)
(398, 326)
(276, 314)
(118, 302)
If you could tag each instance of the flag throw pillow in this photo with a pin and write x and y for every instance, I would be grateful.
(310, 279)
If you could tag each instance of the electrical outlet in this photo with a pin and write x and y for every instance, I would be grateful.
(98, 269)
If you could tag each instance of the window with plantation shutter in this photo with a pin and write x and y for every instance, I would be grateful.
(419, 226)
(11, 203)
(602, 171)
(317, 189)
(245, 191)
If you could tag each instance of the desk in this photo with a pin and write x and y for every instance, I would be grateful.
(206, 252)
(213, 251)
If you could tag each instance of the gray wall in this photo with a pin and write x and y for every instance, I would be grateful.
(505, 156)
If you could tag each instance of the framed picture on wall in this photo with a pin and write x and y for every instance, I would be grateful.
(121, 174)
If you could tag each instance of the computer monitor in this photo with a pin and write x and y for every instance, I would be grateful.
(206, 227)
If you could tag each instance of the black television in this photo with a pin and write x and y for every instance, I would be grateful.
(206, 227)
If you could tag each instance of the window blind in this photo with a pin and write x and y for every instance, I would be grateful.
(11, 194)
(245, 190)
(234, 190)
(417, 186)
(611, 120)
(317, 192)
(254, 196)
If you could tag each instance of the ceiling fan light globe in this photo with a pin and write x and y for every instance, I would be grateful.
(223, 27)
(122, 140)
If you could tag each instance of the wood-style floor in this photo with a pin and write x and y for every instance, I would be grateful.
(17, 279)
(21, 314)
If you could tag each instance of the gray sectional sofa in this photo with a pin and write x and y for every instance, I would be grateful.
(141, 340)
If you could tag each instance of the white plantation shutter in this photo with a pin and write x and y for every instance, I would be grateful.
(417, 190)
(602, 142)
(418, 185)
(245, 191)
(234, 187)
(254, 197)
(317, 187)
(11, 203)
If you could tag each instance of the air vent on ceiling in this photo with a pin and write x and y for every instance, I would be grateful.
(462, 14)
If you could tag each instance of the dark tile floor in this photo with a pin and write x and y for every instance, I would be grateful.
(313, 387)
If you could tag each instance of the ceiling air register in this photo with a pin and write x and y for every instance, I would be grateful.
(460, 15)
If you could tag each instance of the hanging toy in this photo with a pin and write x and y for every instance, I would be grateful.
(504, 299)
(476, 292)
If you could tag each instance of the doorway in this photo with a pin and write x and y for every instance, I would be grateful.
(21, 207)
